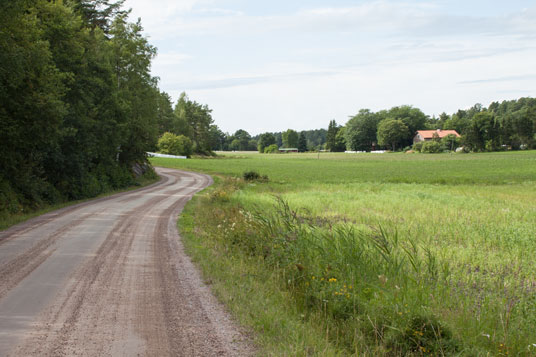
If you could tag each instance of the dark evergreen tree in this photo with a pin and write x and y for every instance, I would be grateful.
(302, 142)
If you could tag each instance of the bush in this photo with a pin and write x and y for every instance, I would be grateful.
(254, 176)
(450, 142)
(431, 147)
(425, 335)
(172, 144)
(418, 146)
(271, 149)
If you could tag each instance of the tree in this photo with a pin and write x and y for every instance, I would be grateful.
(302, 142)
(99, 13)
(290, 139)
(136, 88)
(482, 134)
(392, 133)
(450, 142)
(361, 131)
(340, 140)
(265, 140)
(331, 135)
(242, 139)
(194, 120)
(165, 116)
(413, 118)
(216, 138)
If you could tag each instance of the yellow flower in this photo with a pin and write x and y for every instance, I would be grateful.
(332, 280)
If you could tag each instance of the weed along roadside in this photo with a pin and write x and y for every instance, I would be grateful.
(438, 263)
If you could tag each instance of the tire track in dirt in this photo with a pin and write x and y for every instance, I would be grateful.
(138, 294)
(22, 228)
(15, 270)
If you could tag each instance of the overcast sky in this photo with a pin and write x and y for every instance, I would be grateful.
(279, 64)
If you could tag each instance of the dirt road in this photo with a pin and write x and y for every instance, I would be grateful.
(109, 278)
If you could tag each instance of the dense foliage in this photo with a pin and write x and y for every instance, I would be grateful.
(172, 144)
(506, 125)
(77, 101)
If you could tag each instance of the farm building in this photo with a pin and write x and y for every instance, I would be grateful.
(428, 135)
(288, 150)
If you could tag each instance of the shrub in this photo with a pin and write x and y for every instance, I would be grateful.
(425, 335)
(251, 175)
(172, 144)
(271, 149)
(418, 146)
(431, 147)
(254, 176)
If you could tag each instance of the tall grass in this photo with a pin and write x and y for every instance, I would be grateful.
(388, 268)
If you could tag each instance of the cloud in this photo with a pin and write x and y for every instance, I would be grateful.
(525, 77)
(246, 81)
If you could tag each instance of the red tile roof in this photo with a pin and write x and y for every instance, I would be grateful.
(429, 134)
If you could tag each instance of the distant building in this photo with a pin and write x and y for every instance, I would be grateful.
(288, 150)
(428, 135)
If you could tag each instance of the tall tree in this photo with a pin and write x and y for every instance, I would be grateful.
(195, 121)
(290, 138)
(392, 133)
(165, 115)
(241, 139)
(413, 118)
(137, 89)
(340, 140)
(302, 142)
(331, 135)
(100, 13)
(265, 140)
(361, 131)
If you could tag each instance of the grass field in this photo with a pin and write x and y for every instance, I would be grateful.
(391, 254)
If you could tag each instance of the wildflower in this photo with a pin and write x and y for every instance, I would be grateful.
(332, 280)
(313, 277)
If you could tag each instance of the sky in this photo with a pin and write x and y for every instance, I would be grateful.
(279, 64)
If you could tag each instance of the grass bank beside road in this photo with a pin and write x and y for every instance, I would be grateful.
(373, 254)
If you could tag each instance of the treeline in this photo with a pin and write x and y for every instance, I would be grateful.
(507, 125)
(78, 106)
(241, 140)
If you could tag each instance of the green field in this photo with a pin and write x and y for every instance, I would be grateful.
(367, 254)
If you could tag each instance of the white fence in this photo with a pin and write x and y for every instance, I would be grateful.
(155, 154)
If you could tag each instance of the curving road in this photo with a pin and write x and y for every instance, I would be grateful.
(109, 278)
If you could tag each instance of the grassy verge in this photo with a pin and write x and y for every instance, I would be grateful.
(8, 220)
(252, 292)
(423, 265)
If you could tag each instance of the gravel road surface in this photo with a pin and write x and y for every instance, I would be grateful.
(109, 277)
